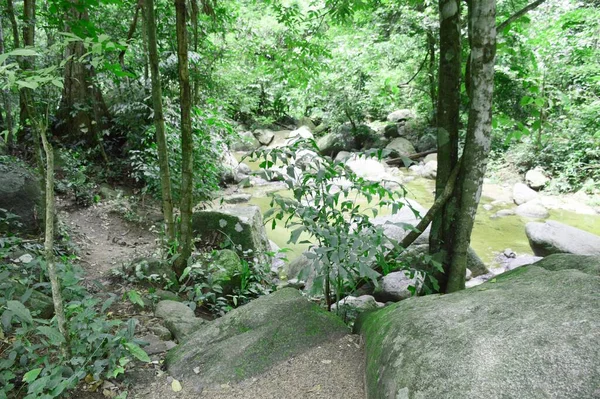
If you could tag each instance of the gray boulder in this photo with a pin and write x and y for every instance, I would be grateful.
(242, 224)
(523, 194)
(245, 142)
(554, 237)
(20, 195)
(427, 142)
(391, 131)
(401, 115)
(252, 339)
(536, 178)
(264, 136)
(532, 209)
(345, 138)
(517, 336)
(397, 286)
(302, 132)
(178, 318)
(351, 306)
(238, 198)
(400, 147)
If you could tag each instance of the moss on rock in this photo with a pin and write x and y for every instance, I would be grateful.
(251, 339)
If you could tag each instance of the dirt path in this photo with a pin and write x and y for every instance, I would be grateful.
(104, 238)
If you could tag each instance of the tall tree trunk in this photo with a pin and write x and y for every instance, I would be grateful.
(10, 11)
(482, 38)
(27, 64)
(431, 73)
(57, 298)
(195, 13)
(82, 113)
(159, 123)
(448, 106)
(8, 123)
(187, 145)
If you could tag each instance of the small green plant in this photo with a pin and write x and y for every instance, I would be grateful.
(332, 205)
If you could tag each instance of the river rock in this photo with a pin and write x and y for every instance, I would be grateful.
(238, 198)
(243, 225)
(536, 179)
(523, 194)
(401, 115)
(229, 165)
(528, 333)
(426, 142)
(245, 142)
(400, 147)
(264, 136)
(429, 158)
(350, 307)
(20, 195)
(343, 156)
(302, 132)
(345, 138)
(368, 168)
(391, 131)
(304, 158)
(252, 339)
(397, 286)
(554, 237)
(306, 122)
(532, 209)
(178, 318)
(429, 170)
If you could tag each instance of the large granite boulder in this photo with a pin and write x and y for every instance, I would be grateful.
(401, 115)
(528, 333)
(554, 237)
(252, 339)
(532, 209)
(20, 195)
(243, 225)
(522, 194)
(536, 178)
(264, 136)
(245, 142)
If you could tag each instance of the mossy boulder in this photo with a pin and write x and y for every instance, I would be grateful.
(179, 319)
(20, 195)
(226, 266)
(253, 338)
(243, 225)
(533, 332)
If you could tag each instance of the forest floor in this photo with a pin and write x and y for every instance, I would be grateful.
(106, 241)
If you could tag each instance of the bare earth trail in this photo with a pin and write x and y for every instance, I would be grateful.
(334, 370)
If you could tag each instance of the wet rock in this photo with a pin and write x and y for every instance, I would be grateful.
(523, 194)
(302, 132)
(554, 237)
(239, 198)
(345, 138)
(505, 212)
(429, 170)
(427, 142)
(245, 142)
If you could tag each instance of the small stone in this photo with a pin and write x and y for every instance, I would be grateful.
(488, 207)
(509, 253)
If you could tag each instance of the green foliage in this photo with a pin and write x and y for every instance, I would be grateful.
(332, 205)
(32, 363)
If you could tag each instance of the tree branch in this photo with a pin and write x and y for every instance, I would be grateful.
(437, 205)
(131, 32)
(519, 14)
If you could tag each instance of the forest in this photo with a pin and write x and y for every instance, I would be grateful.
(299, 199)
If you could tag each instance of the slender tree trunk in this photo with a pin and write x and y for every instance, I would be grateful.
(431, 74)
(159, 122)
(145, 44)
(187, 145)
(448, 107)
(8, 123)
(482, 38)
(131, 31)
(57, 298)
(10, 11)
(27, 64)
(195, 13)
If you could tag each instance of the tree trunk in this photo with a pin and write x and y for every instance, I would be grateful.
(482, 38)
(448, 106)
(159, 123)
(82, 113)
(27, 64)
(195, 14)
(8, 122)
(187, 145)
(10, 11)
(431, 73)
(49, 242)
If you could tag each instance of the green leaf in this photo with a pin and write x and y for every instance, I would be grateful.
(135, 298)
(32, 375)
(25, 52)
(29, 85)
(20, 311)
(57, 83)
(55, 337)
(137, 352)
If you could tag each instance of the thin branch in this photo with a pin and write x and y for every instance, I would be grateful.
(131, 32)
(400, 161)
(519, 14)
(437, 205)
(418, 71)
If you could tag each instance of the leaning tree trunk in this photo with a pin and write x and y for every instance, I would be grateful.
(482, 38)
(82, 114)
(448, 106)
(57, 298)
(159, 123)
(187, 144)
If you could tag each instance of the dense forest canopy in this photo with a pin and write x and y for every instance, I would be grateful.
(324, 110)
